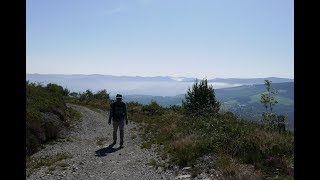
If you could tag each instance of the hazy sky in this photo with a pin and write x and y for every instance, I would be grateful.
(191, 38)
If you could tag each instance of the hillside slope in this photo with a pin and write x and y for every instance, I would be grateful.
(47, 116)
(243, 100)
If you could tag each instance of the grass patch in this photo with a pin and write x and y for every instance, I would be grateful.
(156, 164)
(146, 145)
(152, 162)
(50, 161)
(133, 129)
(63, 166)
(231, 169)
(51, 168)
(101, 140)
(133, 136)
(72, 116)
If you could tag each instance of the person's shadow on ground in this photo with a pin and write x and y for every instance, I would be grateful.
(106, 150)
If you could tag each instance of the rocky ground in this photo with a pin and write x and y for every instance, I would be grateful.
(84, 153)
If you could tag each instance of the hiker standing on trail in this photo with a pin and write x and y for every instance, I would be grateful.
(118, 113)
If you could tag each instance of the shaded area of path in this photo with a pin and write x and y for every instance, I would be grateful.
(106, 150)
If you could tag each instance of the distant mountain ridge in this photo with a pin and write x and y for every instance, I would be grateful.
(157, 78)
(250, 80)
(47, 77)
(130, 85)
(98, 77)
(242, 94)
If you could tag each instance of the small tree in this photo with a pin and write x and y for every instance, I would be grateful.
(66, 92)
(89, 95)
(153, 108)
(54, 88)
(82, 97)
(200, 99)
(282, 120)
(268, 100)
(103, 95)
(74, 94)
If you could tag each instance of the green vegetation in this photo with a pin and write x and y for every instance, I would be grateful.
(46, 114)
(101, 140)
(268, 100)
(153, 108)
(133, 136)
(200, 99)
(281, 100)
(236, 143)
(184, 134)
(244, 101)
(99, 100)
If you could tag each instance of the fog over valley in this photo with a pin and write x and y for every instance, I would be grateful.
(133, 85)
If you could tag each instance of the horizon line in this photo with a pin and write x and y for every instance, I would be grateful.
(161, 76)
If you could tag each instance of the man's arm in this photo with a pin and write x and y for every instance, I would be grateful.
(126, 112)
(110, 113)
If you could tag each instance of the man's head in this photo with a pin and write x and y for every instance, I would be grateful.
(119, 97)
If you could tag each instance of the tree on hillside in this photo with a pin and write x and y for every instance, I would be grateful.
(74, 94)
(268, 98)
(269, 101)
(200, 99)
(153, 108)
(102, 95)
(66, 92)
(54, 88)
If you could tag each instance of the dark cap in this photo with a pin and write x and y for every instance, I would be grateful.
(119, 96)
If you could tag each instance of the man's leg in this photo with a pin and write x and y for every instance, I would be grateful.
(121, 128)
(115, 129)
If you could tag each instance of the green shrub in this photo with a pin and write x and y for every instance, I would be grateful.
(134, 107)
(153, 108)
(176, 108)
(44, 100)
(99, 100)
(54, 88)
(200, 99)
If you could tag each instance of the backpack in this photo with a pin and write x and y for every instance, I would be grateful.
(118, 111)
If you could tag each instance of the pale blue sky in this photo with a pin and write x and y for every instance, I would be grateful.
(191, 38)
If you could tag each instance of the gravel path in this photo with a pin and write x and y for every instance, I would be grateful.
(88, 160)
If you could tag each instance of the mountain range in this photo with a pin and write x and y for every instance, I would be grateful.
(133, 85)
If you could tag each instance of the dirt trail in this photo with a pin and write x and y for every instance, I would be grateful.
(88, 160)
